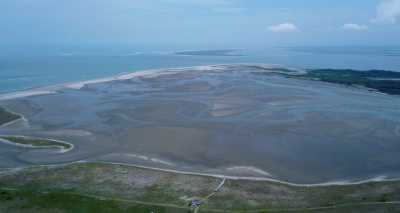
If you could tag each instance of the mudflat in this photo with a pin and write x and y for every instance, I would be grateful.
(224, 119)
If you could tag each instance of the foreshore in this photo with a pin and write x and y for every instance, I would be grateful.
(200, 105)
(52, 89)
(376, 179)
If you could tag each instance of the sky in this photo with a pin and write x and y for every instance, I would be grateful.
(201, 23)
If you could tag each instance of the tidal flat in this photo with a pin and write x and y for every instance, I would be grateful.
(242, 121)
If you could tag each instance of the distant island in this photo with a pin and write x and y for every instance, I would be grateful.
(230, 52)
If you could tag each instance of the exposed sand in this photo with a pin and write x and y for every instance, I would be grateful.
(125, 76)
(249, 168)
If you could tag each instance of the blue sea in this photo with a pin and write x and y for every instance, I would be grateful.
(29, 67)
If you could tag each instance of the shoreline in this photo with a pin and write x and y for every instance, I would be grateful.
(53, 89)
(377, 179)
(21, 118)
(61, 148)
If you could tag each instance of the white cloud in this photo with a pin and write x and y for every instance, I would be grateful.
(355, 27)
(388, 12)
(284, 28)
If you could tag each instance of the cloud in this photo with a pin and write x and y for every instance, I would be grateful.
(388, 12)
(355, 27)
(284, 28)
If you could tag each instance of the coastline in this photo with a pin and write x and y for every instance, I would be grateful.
(152, 188)
(61, 148)
(21, 118)
(53, 89)
(377, 179)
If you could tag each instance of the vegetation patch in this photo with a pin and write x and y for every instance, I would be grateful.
(7, 117)
(21, 200)
(83, 187)
(380, 80)
(36, 142)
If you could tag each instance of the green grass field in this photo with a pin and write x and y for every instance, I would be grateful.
(96, 187)
(23, 200)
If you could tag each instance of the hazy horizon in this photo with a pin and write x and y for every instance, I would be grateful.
(44, 42)
(199, 24)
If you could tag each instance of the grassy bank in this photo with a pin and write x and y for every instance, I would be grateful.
(6, 116)
(89, 185)
(27, 200)
(35, 142)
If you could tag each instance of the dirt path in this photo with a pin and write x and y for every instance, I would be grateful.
(216, 189)
(206, 198)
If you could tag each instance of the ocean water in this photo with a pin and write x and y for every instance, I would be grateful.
(20, 70)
